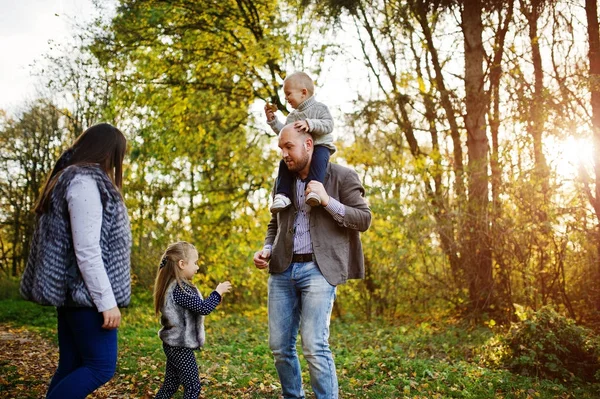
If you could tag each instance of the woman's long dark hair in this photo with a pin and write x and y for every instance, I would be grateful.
(101, 144)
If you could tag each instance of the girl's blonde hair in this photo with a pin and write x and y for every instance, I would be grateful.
(168, 270)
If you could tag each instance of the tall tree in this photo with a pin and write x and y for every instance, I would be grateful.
(478, 252)
(505, 21)
(532, 10)
(29, 145)
(188, 74)
(463, 220)
(591, 10)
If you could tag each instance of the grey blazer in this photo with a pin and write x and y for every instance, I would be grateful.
(337, 247)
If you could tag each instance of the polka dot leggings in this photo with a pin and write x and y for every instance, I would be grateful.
(182, 369)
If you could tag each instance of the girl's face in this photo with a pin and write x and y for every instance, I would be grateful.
(189, 266)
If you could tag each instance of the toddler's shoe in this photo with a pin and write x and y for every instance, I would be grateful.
(313, 199)
(280, 202)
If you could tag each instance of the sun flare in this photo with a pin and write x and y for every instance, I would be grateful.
(568, 155)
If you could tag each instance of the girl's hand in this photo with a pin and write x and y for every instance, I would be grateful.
(112, 318)
(223, 288)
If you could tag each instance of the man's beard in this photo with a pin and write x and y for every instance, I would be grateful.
(298, 165)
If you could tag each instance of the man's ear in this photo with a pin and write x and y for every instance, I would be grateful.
(308, 143)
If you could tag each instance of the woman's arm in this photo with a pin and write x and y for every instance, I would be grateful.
(85, 212)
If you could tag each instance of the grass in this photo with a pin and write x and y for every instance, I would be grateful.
(374, 360)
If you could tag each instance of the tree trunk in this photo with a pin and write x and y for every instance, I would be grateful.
(535, 126)
(446, 102)
(591, 10)
(503, 290)
(537, 119)
(478, 262)
(446, 228)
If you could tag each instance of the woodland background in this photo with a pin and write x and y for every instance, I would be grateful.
(463, 111)
(465, 115)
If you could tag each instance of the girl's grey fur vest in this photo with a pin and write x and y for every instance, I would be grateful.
(181, 326)
(52, 276)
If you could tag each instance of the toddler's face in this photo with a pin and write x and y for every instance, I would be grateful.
(189, 265)
(295, 94)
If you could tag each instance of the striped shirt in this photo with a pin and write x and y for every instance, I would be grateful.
(302, 241)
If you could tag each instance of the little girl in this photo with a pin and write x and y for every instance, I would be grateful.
(182, 317)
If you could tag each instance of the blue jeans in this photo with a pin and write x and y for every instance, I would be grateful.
(87, 354)
(301, 298)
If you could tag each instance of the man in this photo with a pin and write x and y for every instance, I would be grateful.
(309, 251)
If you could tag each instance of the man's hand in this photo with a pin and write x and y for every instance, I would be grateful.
(302, 126)
(261, 258)
(112, 318)
(317, 187)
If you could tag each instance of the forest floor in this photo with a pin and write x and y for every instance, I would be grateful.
(28, 360)
(374, 360)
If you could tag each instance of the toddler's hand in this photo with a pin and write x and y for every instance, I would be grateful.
(269, 112)
(223, 288)
(302, 125)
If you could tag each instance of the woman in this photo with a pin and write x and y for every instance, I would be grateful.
(80, 259)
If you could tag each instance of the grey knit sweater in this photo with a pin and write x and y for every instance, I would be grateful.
(52, 276)
(319, 121)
